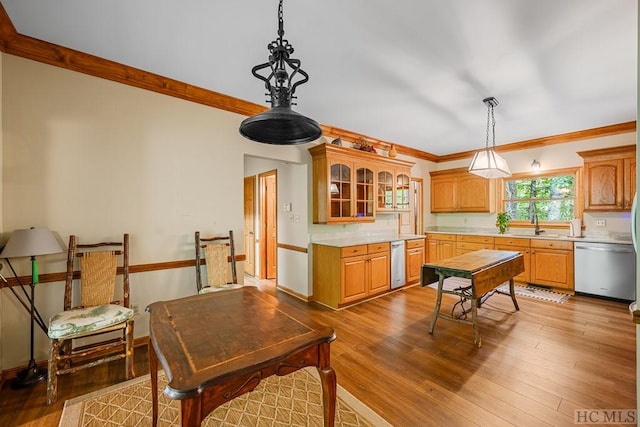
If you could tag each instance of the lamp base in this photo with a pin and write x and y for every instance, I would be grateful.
(29, 376)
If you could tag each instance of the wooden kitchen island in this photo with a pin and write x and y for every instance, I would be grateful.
(486, 269)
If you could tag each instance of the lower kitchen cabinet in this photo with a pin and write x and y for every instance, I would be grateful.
(521, 245)
(440, 246)
(552, 263)
(344, 275)
(467, 243)
(414, 259)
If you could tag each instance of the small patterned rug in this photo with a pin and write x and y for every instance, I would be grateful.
(526, 291)
(291, 400)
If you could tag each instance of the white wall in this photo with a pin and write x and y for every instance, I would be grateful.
(90, 157)
(292, 226)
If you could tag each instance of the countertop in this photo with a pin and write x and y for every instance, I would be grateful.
(595, 237)
(364, 239)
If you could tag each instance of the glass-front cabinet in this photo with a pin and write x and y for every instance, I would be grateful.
(347, 187)
(351, 190)
(393, 190)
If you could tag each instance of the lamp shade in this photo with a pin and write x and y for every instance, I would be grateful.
(281, 126)
(489, 164)
(31, 242)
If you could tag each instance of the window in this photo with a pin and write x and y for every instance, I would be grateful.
(554, 196)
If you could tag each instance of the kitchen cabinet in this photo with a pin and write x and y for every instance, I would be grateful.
(521, 245)
(609, 178)
(552, 263)
(414, 258)
(456, 190)
(394, 186)
(345, 182)
(469, 243)
(344, 275)
(440, 246)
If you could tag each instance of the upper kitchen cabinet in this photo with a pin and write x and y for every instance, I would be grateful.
(393, 188)
(345, 182)
(609, 178)
(456, 190)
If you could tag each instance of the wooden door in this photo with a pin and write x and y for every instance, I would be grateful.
(268, 225)
(364, 197)
(629, 181)
(385, 191)
(416, 219)
(340, 191)
(379, 272)
(552, 267)
(249, 225)
(447, 249)
(443, 194)
(432, 250)
(414, 261)
(472, 194)
(604, 182)
(403, 192)
(354, 274)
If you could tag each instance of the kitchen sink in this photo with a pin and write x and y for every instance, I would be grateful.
(551, 235)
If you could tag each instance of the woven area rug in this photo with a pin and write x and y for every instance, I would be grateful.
(291, 400)
(526, 291)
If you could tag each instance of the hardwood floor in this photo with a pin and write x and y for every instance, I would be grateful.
(535, 367)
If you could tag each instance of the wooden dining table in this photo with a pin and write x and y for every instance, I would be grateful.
(214, 347)
(486, 269)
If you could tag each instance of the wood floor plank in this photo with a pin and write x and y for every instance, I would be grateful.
(536, 366)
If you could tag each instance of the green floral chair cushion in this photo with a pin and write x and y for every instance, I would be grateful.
(78, 322)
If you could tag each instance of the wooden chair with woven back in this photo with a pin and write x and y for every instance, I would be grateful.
(219, 256)
(98, 312)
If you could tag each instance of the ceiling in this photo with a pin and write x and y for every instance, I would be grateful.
(411, 72)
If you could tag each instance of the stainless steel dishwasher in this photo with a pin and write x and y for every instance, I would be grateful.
(398, 276)
(605, 269)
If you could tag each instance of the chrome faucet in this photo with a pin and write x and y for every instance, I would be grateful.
(534, 220)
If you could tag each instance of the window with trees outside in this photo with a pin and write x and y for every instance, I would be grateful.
(554, 196)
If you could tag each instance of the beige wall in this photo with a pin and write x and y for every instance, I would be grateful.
(95, 158)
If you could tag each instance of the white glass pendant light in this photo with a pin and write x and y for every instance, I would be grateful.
(488, 163)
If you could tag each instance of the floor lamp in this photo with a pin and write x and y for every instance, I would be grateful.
(30, 243)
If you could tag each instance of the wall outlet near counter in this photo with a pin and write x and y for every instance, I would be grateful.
(601, 222)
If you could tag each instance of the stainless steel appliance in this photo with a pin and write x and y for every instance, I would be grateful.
(398, 276)
(605, 269)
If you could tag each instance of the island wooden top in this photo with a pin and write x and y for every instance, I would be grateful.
(203, 339)
(486, 268)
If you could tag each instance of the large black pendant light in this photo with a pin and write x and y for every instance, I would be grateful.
(280, 125)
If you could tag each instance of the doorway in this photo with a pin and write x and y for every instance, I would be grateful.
(249, 231)
(411, 222)
(417, 207)
(268, 224)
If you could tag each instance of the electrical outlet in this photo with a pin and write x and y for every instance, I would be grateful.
(601, 222)
(136, 309)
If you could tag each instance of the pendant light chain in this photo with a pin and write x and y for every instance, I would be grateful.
(493, 127)
(487, 139)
